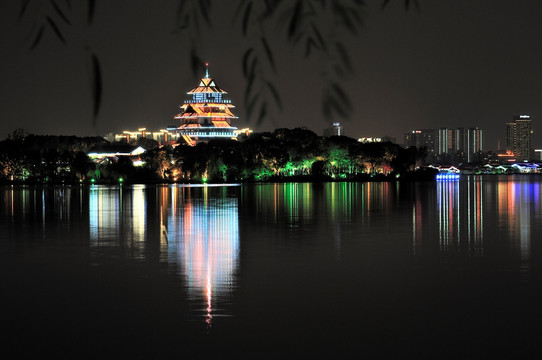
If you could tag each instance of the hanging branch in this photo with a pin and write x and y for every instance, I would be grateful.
(55, 16)
(258, 62)
(190, 14)
(319, 27)
(45, 14)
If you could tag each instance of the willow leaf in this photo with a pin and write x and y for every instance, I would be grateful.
(91, 6)
(205, 8)
(56, 29)
(245, 60)
(180, 16)
(246, 17)
(195, 62)
(262, 114)
(295, 19)
(344, 56)
(275, 94)
(269, 53)
(320, 39)
(96, 85)
(24, 6)
(38, 37)
(250, 105)
(60, 12)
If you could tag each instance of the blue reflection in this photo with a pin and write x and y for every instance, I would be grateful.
(203, 234)
(447, 176)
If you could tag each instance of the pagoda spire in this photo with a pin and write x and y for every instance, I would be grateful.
(206, 70)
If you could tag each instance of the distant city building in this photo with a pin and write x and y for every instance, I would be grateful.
(510, 137)
(518, 137)
(461, 144)
(376, 139)
(207, 115)
(335, 129)
(451, 141)
(365, 140)
(112, 153)
(473, 142)
(162, 136)
(423, 137)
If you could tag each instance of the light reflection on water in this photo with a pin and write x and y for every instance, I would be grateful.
(291, 255)
(198, 232)
(203, 235)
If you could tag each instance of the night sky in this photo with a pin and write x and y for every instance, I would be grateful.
(455, 63)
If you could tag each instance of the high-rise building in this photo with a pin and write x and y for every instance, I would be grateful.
(450, 141)
(207, 115)
(460, 142)
(518, 137)
(334, 129)
(422, 137)
(473, 143)
(510, 136)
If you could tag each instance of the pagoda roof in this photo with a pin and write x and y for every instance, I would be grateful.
(207, 85)
(195, 110)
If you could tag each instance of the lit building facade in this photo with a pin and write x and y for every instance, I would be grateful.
(424, 137)
(335, 129)
(162, 136)
(451, 141)
(518, 137)
(474, 142)
(460, 143)
(207, 115)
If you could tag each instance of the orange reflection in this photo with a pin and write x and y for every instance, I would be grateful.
(205, 239)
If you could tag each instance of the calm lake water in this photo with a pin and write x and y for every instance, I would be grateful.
(374, 270)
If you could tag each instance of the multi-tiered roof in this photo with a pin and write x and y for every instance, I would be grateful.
(208, 114)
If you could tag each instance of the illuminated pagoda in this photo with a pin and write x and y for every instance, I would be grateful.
(207, 115)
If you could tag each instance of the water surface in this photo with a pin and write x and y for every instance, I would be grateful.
(433, 270)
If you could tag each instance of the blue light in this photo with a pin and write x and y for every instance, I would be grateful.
(447, 176)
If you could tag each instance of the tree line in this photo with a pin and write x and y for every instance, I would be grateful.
(281, 155)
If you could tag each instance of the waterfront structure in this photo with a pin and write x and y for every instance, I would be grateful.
(518, 137)
(334, 129)
(116, 151)
(207, 115)
(162, 136)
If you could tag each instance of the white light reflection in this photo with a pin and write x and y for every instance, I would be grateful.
(460, 212)
(117, 216)
(204, 240)
(103, 213)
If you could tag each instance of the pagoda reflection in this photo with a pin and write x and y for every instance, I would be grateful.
(203, 238)
(194, 229)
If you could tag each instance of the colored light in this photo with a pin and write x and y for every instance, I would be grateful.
(447, 177)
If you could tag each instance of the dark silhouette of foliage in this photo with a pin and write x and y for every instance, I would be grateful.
(319, 27)
(284, 154)
(58, 17)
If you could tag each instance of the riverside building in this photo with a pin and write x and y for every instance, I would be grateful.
(518, 137)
